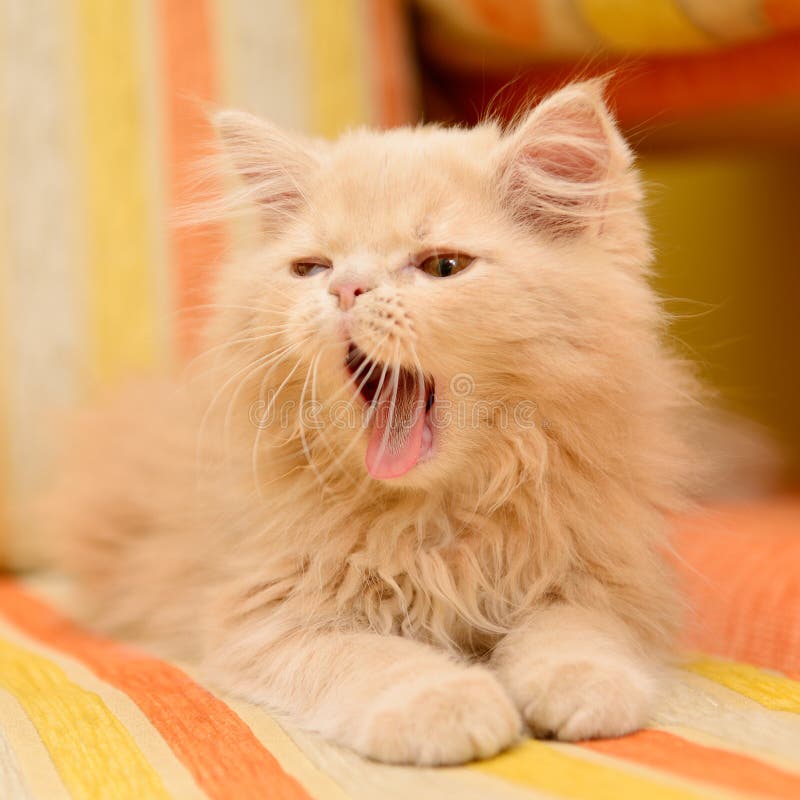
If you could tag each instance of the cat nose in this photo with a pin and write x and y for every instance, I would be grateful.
(347, 292)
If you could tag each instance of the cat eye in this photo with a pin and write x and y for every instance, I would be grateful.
(308, 268)
(442, 266)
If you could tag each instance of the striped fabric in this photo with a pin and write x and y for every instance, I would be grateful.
(569, 28)
(85, 717)
(672, 60)
(741, 572)
(102, 118)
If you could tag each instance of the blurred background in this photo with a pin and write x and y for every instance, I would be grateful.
(102, 117)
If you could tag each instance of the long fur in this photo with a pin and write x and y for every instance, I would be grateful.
(419, 619)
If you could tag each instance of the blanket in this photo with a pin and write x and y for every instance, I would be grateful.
(87, 718)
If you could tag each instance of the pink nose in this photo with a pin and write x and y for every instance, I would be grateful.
(347, 293)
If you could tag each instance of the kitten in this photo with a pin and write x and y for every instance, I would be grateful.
(413, 495)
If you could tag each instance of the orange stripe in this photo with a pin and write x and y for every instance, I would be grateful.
(678, 756)
(739, 572)
(515, 22)
(190, 82)
(391, 64)
(741, 77)
(221, 752)
(783, 14)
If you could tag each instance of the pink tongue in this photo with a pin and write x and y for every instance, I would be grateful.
(396, 439)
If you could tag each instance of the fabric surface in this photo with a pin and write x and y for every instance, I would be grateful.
(552, 28)
(740, 567)
(671, 60)
(103, 117)
(86, 717)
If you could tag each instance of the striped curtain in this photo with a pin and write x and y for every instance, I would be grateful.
(102, 117)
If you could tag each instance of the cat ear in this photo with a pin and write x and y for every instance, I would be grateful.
(565, 166)
(273, 166)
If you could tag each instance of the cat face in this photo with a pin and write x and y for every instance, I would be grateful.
(431, 288)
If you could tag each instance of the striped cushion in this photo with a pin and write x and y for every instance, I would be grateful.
(85, 717)
(102, 119)
(672, 60)
(512, 29)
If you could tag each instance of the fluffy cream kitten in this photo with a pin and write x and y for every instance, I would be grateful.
(413, 494)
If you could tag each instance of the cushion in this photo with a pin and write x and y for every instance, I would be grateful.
(82, 716)
(734, 63)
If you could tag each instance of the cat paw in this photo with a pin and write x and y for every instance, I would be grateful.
(448, 718)
(584, 699)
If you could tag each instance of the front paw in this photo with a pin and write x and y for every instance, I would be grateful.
(445, 718)
(584, 698)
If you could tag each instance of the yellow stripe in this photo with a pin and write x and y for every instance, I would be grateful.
(643, 27)
(771, 691)
(550, 768)
(93, 752)
(157, 164)
(335, 49)
(119, 280)
(177, 780)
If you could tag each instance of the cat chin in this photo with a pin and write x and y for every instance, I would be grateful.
(426, 476)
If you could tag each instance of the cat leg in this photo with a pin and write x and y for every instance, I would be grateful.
(576, 674)
(388, 698)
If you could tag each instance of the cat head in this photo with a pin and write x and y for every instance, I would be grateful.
(426, 301)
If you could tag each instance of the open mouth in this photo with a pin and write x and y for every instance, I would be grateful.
(399, 416)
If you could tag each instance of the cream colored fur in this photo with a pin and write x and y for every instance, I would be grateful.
(516, 577)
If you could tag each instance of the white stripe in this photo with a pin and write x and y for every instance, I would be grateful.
(43, 297)
(707, 706)
(35, 764)
(264, 61)
(363, 779)
(11, 783)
